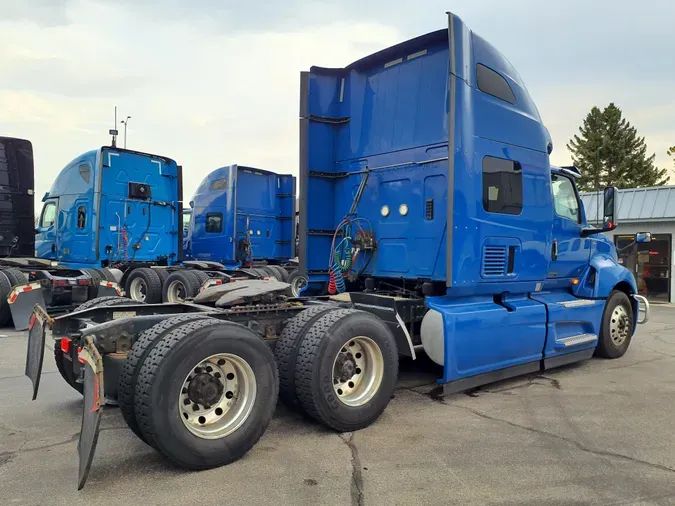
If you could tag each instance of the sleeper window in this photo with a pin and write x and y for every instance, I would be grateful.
(502, 186)
(214, 223)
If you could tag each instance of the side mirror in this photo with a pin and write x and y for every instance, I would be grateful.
(192, 203)
(609, 206)
(643, 237)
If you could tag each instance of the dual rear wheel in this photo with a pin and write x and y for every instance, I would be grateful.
(206, 406)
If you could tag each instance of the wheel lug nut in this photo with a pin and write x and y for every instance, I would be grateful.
(195, 407)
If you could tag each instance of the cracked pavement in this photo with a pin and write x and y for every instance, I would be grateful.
(601, 432)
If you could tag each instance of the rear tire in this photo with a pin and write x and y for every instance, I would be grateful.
(202, 277)
(617, 326)
(135, 358)
(282, 274)
(144, 285)
(297, 282)
(166, 378)
(106, 275)
(163, 275)
(366, 379)
(270, 273)
(112, 300)
(5, 288)
(286, 351)
(65, 368)
(15, 277)
(180, 286)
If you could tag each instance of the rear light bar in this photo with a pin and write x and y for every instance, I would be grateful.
(21, 288)
(72, 282)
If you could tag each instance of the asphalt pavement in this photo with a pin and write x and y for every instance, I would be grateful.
(601, 432)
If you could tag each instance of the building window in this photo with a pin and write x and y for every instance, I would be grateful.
(214, 223)
(502, 186)
(81, 217)
(48, 215)
(494, 84)
(219, 184)
(565, 198)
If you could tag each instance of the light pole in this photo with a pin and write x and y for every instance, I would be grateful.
(125, 122)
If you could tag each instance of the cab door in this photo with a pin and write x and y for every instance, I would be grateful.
(570, 252)
(45, 232)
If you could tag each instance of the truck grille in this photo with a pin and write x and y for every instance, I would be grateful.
(494, 261)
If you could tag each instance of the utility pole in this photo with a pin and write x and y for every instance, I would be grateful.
(125, 122)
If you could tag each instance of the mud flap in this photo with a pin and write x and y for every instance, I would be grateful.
(22, 299)
(91, 408)
(38, 322)
(109, 289)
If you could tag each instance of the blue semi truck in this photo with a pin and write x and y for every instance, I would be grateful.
(242, 216)
(429, 212)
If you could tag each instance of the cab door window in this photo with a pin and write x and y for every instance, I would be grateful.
(48, 215)
(565, 198)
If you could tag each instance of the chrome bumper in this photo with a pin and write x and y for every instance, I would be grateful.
(643, 308)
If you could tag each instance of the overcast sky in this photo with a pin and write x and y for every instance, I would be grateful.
(209, 85)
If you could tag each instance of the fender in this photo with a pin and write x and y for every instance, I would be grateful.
(601, 276)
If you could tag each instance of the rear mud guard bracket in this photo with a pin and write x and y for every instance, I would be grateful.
(91, 408)
(38, 323)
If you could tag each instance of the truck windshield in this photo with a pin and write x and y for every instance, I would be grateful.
(186, 220)
(565, 198)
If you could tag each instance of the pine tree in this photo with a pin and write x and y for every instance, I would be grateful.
(609, 152)
(671, 152)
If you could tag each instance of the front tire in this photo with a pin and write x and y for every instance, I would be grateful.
(346, 369)
(230, 384)
(617, 326)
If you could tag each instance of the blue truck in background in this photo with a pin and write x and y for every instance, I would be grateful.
(245, 217)
(431, 216)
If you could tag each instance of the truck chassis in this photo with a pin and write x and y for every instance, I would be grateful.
(203, 377)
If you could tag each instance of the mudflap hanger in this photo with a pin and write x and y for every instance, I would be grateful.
(93, 386)
(38, 323)
(91, 408)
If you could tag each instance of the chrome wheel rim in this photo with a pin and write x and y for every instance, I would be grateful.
(217, 396)
(138, 289)
(298, 285)
(176, 291)
(358, 370)
(619, 325)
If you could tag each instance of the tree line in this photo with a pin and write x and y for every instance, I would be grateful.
(609, 152)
